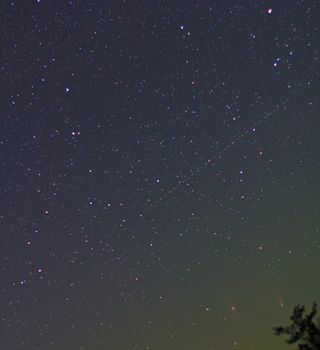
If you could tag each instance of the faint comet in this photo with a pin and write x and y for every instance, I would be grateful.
(218, 156)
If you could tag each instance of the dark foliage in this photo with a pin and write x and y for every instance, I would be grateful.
(303, 331)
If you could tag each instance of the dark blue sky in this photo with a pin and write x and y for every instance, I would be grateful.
(159, 173)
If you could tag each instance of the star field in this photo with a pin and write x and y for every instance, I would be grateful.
(159, 172)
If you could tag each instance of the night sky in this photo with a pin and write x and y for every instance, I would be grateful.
(159, 172)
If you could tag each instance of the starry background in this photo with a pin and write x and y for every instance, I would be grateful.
(159, 172)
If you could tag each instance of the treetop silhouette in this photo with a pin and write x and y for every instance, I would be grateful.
(303, 331)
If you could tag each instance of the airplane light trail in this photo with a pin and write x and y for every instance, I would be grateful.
(218, 156)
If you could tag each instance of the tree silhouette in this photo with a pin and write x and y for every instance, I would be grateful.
(303, 331)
